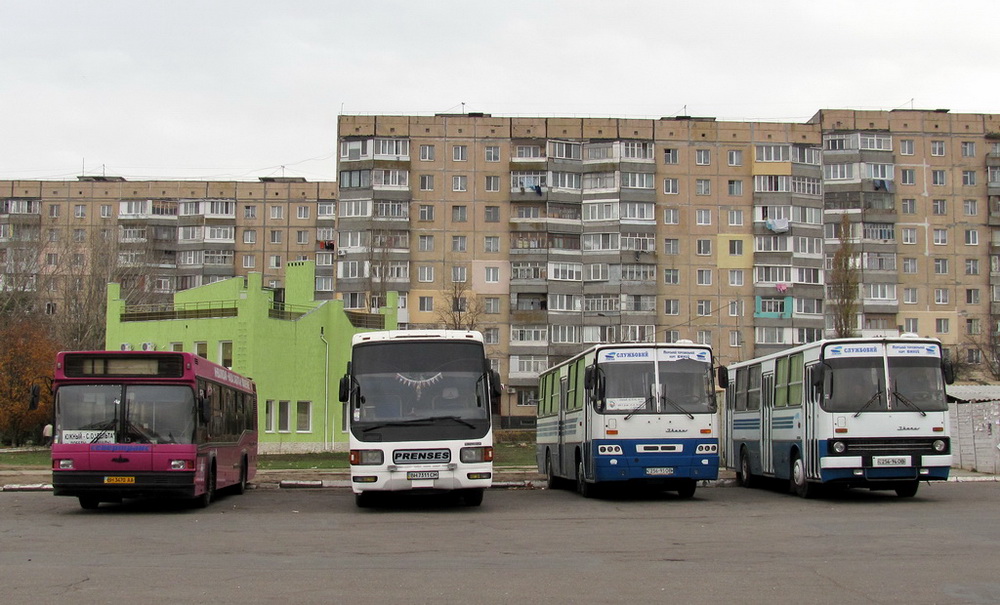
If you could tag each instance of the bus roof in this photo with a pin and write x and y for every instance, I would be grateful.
(190, 365)
(681, 344)
(903, 338)
(411, 335)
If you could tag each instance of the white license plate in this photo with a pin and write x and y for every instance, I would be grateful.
(660, 470)
(411, 475)
(891, 461)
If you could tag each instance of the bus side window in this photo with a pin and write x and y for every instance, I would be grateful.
(753, 389)
(741, 390)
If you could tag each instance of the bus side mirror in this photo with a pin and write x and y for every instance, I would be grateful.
(345, 389)
(34, 395)
(495, 387)
(818, 374)
(588, 378)
(723, 377)
(948, 369)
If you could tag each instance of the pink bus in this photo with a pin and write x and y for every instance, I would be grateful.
(137, 424)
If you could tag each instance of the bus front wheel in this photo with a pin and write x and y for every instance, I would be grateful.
(89, 502)
(472, 497)
(801, 485)
(686, 489)
(551, 481)
(209, 494)
(585, 489)
(908, 489)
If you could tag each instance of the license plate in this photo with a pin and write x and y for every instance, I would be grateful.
(891, 461)
(421, 475)
(660, 470)
(119, 479)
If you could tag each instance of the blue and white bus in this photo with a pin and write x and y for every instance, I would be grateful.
(630, 413)
(419, 413)
(854, 412)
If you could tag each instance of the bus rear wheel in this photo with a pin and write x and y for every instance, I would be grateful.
(744, 477)
(908, 489)
(241, 487)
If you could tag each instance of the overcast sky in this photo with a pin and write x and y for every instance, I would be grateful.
(243, 89)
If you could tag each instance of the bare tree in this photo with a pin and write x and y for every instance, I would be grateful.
(844, 280)
(461, 311)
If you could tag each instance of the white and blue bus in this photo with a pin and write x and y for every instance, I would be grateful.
(419, 413)
(853, 412)
(620, 414)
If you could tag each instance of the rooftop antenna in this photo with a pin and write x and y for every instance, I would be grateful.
(463, 108)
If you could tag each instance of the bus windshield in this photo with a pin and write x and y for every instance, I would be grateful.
(855, 384)
(683, 386)
(125, 414)
(428, 390)
(917, 383)
(688, 386)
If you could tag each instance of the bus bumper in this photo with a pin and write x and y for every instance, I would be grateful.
(860, 470)
(116, 486)
(419, 477)
(657, 469)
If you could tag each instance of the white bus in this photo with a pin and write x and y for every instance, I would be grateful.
(419, 413)
(630, 413)
(854, 412)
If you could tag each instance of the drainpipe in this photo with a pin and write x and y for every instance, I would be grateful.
(326, 392)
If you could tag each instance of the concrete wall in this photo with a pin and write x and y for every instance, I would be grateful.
(975, 430)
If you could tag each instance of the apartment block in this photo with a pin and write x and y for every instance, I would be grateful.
(552, 234)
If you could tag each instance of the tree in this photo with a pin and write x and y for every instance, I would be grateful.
(460, 312)
(844, 281)
(26, 360)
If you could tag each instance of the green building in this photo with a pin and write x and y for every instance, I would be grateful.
(295, 347)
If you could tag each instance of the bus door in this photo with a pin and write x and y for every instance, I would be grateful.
(766, 431)
(810, 447)
(564, 449)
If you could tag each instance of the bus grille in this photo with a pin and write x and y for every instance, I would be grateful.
(888, 445)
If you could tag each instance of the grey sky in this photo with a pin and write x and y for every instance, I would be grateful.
(236, 90)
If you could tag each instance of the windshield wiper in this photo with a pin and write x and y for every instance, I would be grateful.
(423, 420)
(647, 401)
(455, 419)
(103, 427)
(868, 403)
(899, 397)
(678, 407)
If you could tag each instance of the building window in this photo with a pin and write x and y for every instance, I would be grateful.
(491, 214)
(735, 247)
(703, 247)
(735, 217)
(274, 261)
(80, 211)
(909, 206)
(735, 157)
(302, 212)
(492, 153)
(704, 277)
(672, 277)
(460, 153)
(703, 187)
(671, 246)
(459, 243)
(671, 306)
(908, 235)
(971, 237)
(425, 243)
(972, 266)
(939, 177)
(906, 147)
(942, 296)
(942, 326)
(249, 211)
(968, 149)
(969, 178)
(427, 153)
(670, 156)
(971, 207)
(910, 296)
(736, 277)
(275, 236)
(907, 176)
(459, 274)
(940, 237)
(937, 148)
(425, 274)
(459, 183)
(972, 296)
(940, 266)
(459, 214)
(702, 157)
(491, 243)
(493, 183)
(491, 304)
(671, 186)
(492, 275)
(909, 265)
(735, 187)
(427, 182)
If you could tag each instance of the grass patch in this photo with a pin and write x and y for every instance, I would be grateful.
(25, 460)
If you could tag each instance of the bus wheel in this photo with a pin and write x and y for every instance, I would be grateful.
(908, 489)
(800, 485)
(687, 488)
(364, 500)
(582, 487)
(472, 497)
(241, 487)
(89, 502)
(744, 477)
(209, 494)
(551, 481)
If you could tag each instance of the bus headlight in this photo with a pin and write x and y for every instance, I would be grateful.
(366, 457)
(469, 455)
(64, 463)
(181, 465)
(839, 447)
(939, 445)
